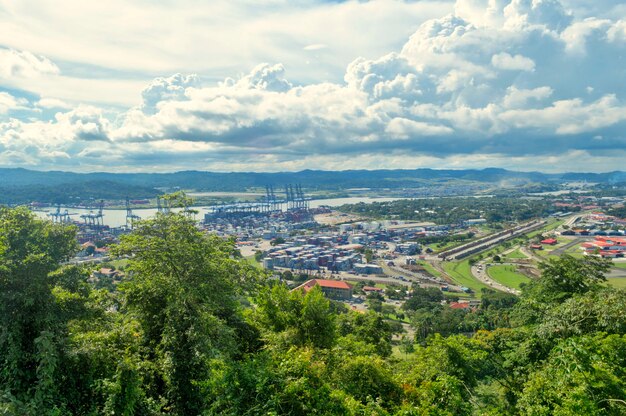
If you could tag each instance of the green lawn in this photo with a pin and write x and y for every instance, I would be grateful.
(575, 251)
(507, 275)
(118, 263)
(491, 252)
(252, 260)
(429, 268)
(453, 295)
(549, 227)
(619, 282)
(516, 254)
(488, 255)
(447, 246)
(460, 272)
(621, 265)
(549, 249)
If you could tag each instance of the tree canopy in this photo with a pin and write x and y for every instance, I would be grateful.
(193, 329)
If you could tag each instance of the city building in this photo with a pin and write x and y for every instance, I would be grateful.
(608, 247)
(368, 269)
(408, 249)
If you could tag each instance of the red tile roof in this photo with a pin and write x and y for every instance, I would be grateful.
(334, 284)
(618, 241)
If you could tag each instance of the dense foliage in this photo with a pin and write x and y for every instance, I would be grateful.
(617, 212)
(73, 193)
(194, 330)
(455, 210)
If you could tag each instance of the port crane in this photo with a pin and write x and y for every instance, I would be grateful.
(130, 217)
(95, 219)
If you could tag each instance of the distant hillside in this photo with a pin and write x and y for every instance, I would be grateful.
(21, 185)
(72, 192)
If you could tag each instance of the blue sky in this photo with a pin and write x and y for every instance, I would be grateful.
(290, 85)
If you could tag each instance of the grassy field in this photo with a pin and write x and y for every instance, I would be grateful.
(120, 263)
(548, 249)
(575, 251)
(453, 295)
(620, 265)
(516, 254)
(488, 255)
(429, 268)
(253, 261)
(446, 246)
(460, 272)
(507, 275)
(619, 282)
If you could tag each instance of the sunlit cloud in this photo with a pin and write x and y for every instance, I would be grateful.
(527, 85)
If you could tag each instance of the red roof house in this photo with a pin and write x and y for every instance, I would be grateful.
(331, 288)
(460, 305)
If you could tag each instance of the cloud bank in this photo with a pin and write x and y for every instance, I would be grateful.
(525, 84)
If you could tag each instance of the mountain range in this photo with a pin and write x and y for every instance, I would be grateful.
(18, 185)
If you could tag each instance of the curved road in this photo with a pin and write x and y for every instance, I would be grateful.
(482, 276)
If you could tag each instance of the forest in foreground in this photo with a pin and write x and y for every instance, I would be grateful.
(196, 330)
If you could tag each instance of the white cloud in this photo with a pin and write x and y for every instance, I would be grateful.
(516, 98)
(570, 116)
(513, 14)
(512, 63)
(578, 34)
(53, 103)
(210, 38)
(491, 83)
(405, 129)
(549, 14)
(58, 141)
(167, 89)
(315, 47)
(596, 8)
(9, 102)
(265, 77)
(24, 64)
(23, 70)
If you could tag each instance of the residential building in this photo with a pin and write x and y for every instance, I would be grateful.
(333, 289)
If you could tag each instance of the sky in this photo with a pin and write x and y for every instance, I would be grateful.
(287, 85)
